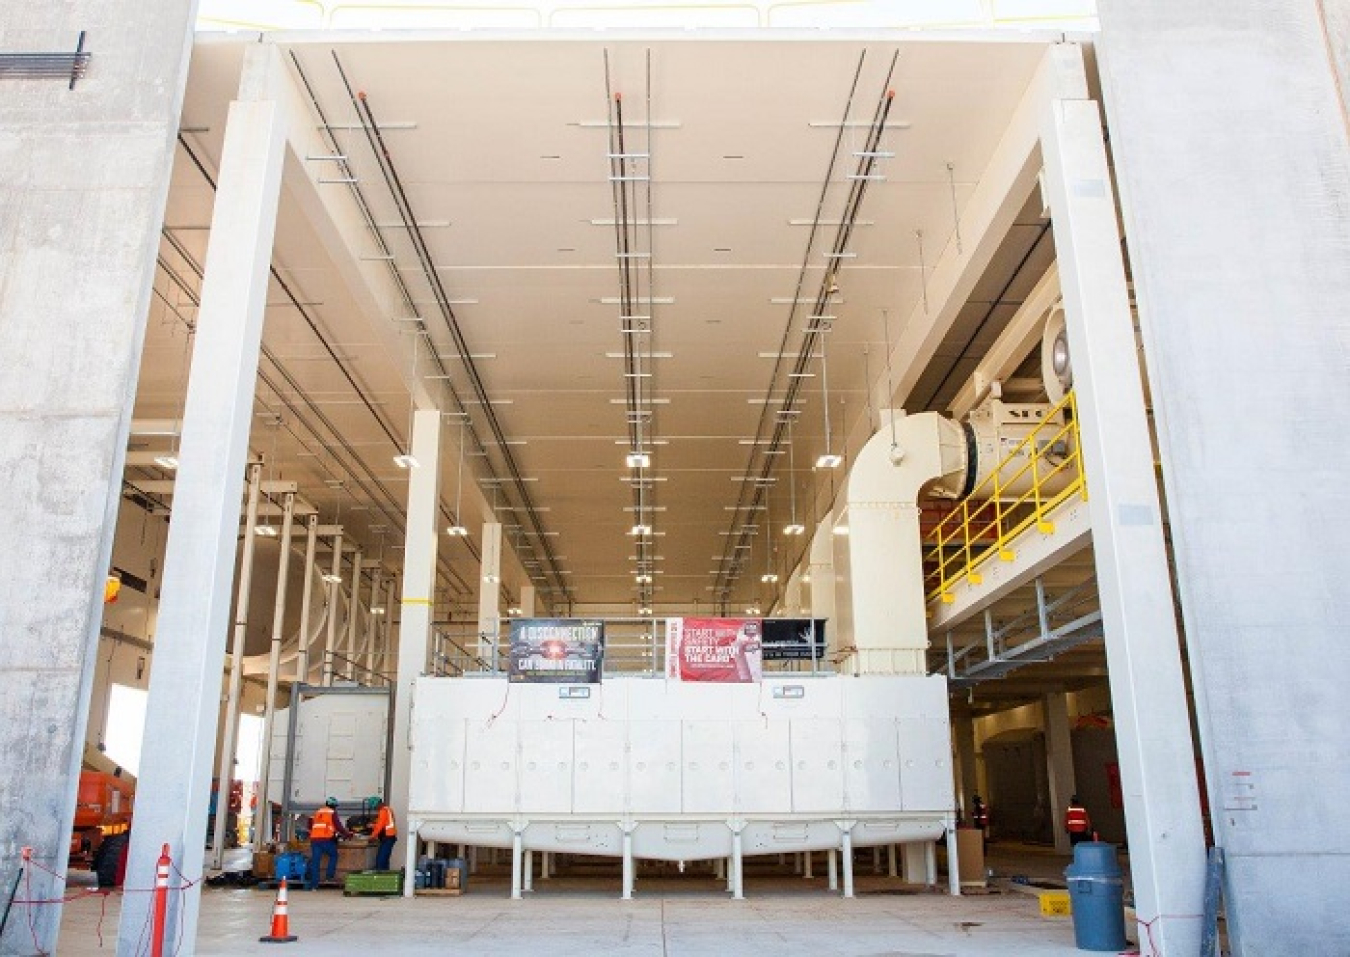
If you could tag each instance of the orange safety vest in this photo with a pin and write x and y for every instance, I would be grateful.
(384, 824)
(1076, 820)
(322, 827)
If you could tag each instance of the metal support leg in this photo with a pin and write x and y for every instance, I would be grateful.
(930, 863)
(848, 863)
(832, 863)
(627, 864)
(892, 865)
(953, 861)
(546, 866)
(806, 865)
(876, 859)
(529, 872)
(720, 869)
(737, 868)
(517, 853)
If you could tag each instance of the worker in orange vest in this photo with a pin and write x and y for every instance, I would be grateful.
(324, 829)
(386, 833)
(1077, 822)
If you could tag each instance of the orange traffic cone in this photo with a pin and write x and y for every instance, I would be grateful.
(281, 933)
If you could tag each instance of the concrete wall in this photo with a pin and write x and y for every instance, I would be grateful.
(1229, 131)
(83, 178)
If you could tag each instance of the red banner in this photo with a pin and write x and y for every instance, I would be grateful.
(714, 649)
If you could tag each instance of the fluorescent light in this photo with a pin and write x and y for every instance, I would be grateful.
(377, 610)
(794, 529)
(829, 461)
(644, 610)
(457, 530)
(638, 460)
(332, 579)
(267, 531)
(806, 579)
(167, 462)
(643, 579)
(492, 579)
(841, 529)
(406, 461)
(769, 578)
(752, 610)
(640, 530)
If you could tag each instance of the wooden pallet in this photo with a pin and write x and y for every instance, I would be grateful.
(439, 891)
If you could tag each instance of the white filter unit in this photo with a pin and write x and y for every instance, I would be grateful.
(340, 741)
(789, 764)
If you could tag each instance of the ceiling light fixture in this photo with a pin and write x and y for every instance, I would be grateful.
(638, 460)
(458, 529)
(794, 527)
(643, 579)
(265, 530)
(827, 460)
(332, 579)
(407, 461)
(769, 578)
(377, 610)
(167, 462)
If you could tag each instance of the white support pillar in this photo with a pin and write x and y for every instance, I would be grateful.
(517, 853)
(930, 863)
(1157, 760)
(419, 583)
(953, 860)
(737, 864)
(806, 865)
(345, 666)
(1059, 758)
(262, 822)
(963, 729)
(306, 600)
(334, 598)
(528, 600)
(489, 594)
(892, 861)
(546, 866)
(373, 624)
(183, 707)
(914, 861)
(235, 688)
(628, 866)
(847, 853)
(529, 872)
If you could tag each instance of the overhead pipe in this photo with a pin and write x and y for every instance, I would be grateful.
(225, 775)
(302, 657)
(334, 594)
(353, 614)
(384, 159)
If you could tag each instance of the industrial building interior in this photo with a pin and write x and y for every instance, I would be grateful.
(636, 326)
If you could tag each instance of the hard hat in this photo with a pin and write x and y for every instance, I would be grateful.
(331, 802)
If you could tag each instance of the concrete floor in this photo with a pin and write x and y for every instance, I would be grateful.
(783, 916)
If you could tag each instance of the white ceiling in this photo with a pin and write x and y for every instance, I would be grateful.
(497, 148)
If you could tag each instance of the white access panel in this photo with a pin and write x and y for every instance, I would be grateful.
(490, 771)
(763, 766)
(546, 767)
(653, 761)
(817, 756)
(923, 738)
(871, 765)
(707, 786)
(601, 770)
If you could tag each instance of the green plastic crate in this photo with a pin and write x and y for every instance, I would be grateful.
(374, 882)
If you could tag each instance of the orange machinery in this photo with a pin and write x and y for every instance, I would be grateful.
(102, 809)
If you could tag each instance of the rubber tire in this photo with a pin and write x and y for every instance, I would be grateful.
(106, 859)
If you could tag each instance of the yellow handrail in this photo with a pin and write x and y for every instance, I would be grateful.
(961, 541)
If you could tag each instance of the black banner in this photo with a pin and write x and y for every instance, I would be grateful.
(789, 639)
(560, 650)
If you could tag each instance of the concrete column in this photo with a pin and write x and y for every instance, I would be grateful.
(1059, 758)
(419, 584)
(1157, 760)
(306, 593)
(847, 852)
(82, 191)
(914, 863)
(1234, 169)
(345, 666)
(517, 853)
(529, 872)
(334, 599)
(963, 729)
(262, 830)
(627, 890)
(489, 594)
(183, 709)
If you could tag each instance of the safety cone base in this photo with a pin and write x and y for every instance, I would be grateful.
(278, 940)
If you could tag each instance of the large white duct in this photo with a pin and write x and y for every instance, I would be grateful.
(907, 458)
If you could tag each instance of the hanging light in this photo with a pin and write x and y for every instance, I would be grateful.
(638, 459)
(794, 527)
(167, 462)
(332, 579)
(458, 529)
(640, 530)
(827, 460)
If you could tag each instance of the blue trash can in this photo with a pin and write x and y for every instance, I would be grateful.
(1097, 892)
